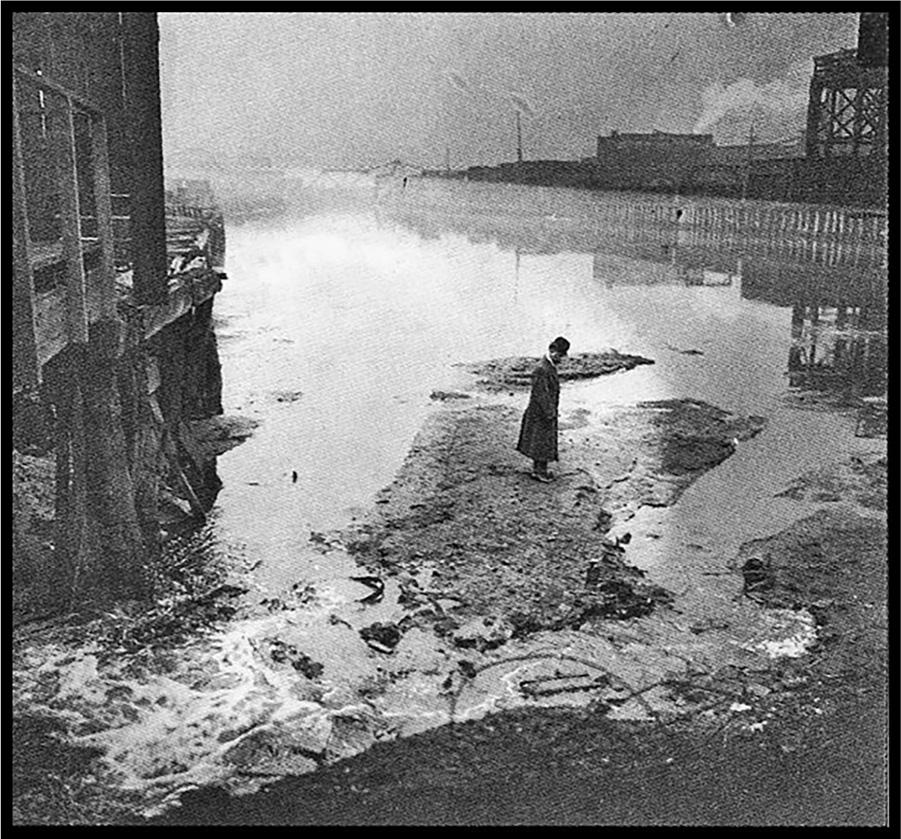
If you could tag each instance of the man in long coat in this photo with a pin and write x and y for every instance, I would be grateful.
(538, 432)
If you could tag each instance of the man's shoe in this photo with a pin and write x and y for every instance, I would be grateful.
(545, 479)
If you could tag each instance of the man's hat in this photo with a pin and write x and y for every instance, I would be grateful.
(560, 344)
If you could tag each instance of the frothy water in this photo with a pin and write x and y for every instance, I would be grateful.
(334, 327)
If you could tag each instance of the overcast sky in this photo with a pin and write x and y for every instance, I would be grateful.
(349, 89)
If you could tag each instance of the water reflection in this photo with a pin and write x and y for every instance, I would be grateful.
(838, 325)
(830, 271)
(834, 349)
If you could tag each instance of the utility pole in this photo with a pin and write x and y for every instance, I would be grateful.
(744, 188)
(518, 139)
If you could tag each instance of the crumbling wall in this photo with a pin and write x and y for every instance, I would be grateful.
(109, 442)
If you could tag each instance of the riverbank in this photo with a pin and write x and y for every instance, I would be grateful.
(499, 623)
(799, 742)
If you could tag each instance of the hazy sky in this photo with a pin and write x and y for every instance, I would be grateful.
(362, 88)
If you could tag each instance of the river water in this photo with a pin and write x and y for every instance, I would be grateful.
(337, 322)
(341, 317)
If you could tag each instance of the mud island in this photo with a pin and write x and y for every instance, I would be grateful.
(479, 591)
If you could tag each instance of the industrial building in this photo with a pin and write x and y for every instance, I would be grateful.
(657, 161)
(114, 353)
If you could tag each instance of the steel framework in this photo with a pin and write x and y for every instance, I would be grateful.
(846, 113)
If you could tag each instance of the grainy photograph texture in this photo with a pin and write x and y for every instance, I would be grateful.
(449, 417)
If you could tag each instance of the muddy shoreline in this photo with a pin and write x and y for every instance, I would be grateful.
(514, 605)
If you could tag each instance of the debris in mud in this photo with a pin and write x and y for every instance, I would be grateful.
(287, 395)
(604, 521)
(283, 653)
(833, 566)
(383, 637)
(446, 395)
(757, 576)
(486, 633)
(467, 668)
(516, 371)
(612, 556)
(621, 600)
(539, 560)
(805, 564)
(557, 683)
(376, 584)
(304, 593)
(684, 352)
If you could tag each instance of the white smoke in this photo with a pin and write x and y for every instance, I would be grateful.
(779, 101)
(491, 92)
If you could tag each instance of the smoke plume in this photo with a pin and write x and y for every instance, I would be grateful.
(780, 101)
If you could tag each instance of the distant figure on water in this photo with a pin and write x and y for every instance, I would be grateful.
(538, 432)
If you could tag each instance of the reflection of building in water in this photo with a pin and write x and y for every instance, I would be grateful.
(838, 349)
(618, 263)
(838, 325)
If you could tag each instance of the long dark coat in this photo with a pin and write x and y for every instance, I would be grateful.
(538, 432)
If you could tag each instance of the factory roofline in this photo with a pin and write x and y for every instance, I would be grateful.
(658, 136)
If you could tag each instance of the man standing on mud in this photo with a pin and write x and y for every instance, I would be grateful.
(538, 433)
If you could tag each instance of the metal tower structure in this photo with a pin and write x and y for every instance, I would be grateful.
(847, 109)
